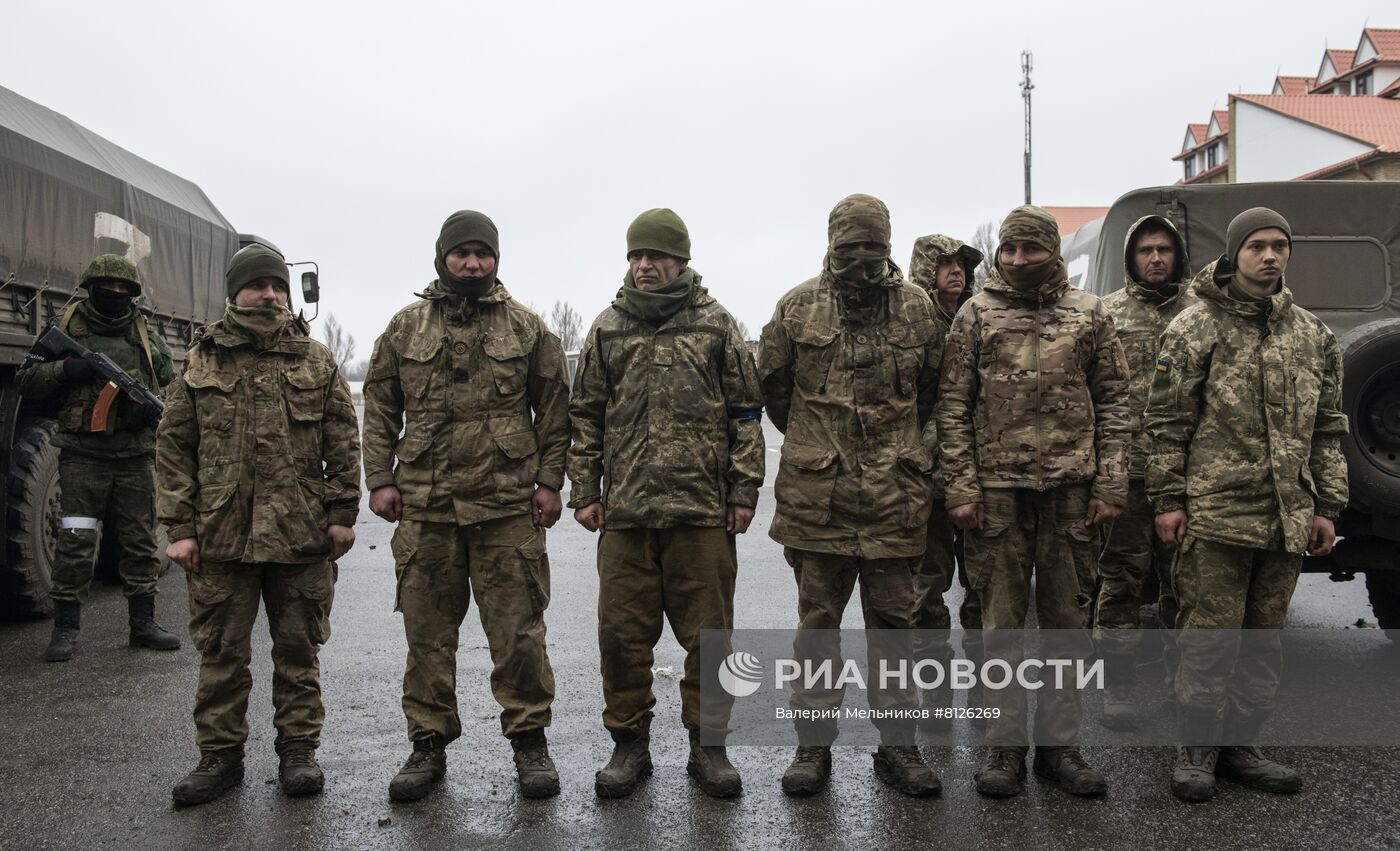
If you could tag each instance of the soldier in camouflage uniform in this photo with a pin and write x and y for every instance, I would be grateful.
(1154, 292)
(1033, 415)
(1245, 472)
(945, 267)
(259, 467)
(667, 460)
(849, 365)
(466, 429)
(106, 476)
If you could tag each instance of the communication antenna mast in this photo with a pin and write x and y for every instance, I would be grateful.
(1026, 88)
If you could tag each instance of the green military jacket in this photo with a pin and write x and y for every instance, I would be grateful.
(853, 402)
(258, 451)
(466, 408)
(666, 419)
(128, 435)
(1034, 394)
(1245, 420)
(1140, 314)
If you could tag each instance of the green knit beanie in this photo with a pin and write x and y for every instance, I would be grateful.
(661, 230)
(253, 262)
(468, 226)
(1251, 220)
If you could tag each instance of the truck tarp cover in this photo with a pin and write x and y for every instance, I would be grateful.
(67, 194)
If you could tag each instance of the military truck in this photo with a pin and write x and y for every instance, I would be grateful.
(1345, 268)
(67, 195)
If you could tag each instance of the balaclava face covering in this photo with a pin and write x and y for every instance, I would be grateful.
(1029, 223)
(461, 227)
(856, 223)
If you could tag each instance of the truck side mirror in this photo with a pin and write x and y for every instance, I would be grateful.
(310, 287)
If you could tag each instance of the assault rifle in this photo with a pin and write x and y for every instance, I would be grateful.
(55, 345)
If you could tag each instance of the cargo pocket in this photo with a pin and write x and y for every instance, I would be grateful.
(908, 345)
(209, 591)
(508, 363)
(983, 544)
(514, 470)
(403, 554)
(414, 473)
(536, 561)
(417, 369)
(305, 394)
(1084, 545)
(806, 482)
(214, 398)
(815, 353)
(310, 592)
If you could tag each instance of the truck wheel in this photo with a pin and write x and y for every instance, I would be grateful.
(1371, 399)
(1383, 587)
(33, 517)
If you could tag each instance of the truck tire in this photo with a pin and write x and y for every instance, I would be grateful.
(33, 518)
(1371, 399)
(1383, 587)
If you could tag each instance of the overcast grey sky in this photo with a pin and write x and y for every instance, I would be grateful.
(347, 132)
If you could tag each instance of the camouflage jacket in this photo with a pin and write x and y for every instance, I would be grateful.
(470, 397)
(127, 435)
(258, 451)
(1034, 395)
(853, 402)
(1245, 420)
(1140, 314)
(666, 419)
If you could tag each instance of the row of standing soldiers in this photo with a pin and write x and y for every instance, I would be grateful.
(927, 431)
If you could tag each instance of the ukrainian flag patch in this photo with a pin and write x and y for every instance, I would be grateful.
(1163, 364)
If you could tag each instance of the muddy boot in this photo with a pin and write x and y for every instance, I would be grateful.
(534, 770)
(217, 772)
(902, 767)
(1066, 768)
(1001, 773)
(424, 768)
(710, 767)
(1193, 777)
(297, 772)
(1247, 764)
(809, 771)
(1119, 706)
(630, 763)
(145, 632)
(65, 631)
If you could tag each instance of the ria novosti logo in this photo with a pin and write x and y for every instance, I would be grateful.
(740, 673)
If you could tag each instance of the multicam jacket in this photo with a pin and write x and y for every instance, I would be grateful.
(666, 419)
(470, 397)
(1141, 313)
(1245, 419)
(853, 402)
(1034, 394)
(258, 451)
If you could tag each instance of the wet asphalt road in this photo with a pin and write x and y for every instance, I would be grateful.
(90, 749)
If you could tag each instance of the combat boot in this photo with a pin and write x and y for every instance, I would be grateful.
(1066, 768)
(534, 770)
(64, 640)
(424, 768)
(1193, 778)
(145, 632)
(218, 771)
(903, 767)
(1119, 706)
(711, 768)
(630, 763)
(809, 771)
(298, 773)
(1001, 773)
(1247, 764)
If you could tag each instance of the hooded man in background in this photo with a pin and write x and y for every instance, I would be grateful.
(1245, 472)
(667, 393)
(106, 475)
(477, 385)
(1033, 418)
(259, 463)
(849, 365)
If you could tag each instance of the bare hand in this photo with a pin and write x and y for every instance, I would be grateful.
(546, 507)
(1171, 527)
(739, 520)
(1322, 537)
(341, 539)
(387, 502)
(1100, 512)
(590, 516)
(967, 517)
(185, 552)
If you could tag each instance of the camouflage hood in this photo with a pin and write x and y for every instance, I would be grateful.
(1213, 282)
(929, 251)
(1168, 290)
(1051, 290)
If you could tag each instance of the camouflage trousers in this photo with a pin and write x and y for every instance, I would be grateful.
(224, 601)
(441, 567)
(120, 495)
(1029, 533)
(1230, 590)
(825, 582)
(932, 620)
(684, 575)
(1132, 553)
